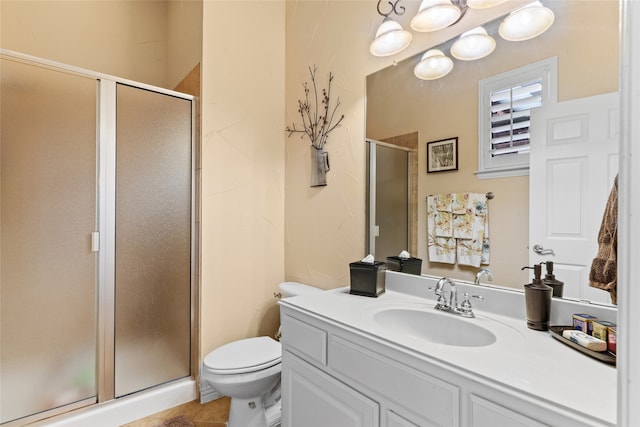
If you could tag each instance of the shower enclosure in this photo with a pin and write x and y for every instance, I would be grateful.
(388, 199)
(96, 243)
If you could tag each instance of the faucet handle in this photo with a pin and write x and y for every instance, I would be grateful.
(465, 307)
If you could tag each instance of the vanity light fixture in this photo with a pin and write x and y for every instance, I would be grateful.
(483, 4)
(473, 44)
(391, 38)
(526, 22)
(435, 15)
(433, 65)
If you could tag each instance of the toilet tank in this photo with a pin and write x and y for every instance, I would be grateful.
(293, 289)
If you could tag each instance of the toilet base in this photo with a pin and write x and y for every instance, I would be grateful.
(252, 413)
(274, 414)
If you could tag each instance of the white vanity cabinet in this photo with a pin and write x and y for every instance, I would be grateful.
(334, 375)
(484, 413)
(315, 399)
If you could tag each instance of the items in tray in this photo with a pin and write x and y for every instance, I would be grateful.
(586, 341)
(584, 322)
(600, 329)
(612, 332)
(602, 356)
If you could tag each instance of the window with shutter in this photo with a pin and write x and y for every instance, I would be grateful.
(504, 116)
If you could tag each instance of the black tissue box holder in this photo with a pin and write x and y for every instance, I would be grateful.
(405, 265)
(367, 279)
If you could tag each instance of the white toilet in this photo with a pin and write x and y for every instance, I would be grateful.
(248, 371)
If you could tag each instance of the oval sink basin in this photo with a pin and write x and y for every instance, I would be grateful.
(435, 327)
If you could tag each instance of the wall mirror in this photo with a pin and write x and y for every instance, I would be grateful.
(585, 40)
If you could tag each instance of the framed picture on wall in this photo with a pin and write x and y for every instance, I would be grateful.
(442, 155)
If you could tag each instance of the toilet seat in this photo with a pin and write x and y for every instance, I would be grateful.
(246, 355)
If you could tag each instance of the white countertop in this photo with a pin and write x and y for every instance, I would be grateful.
(531, 362)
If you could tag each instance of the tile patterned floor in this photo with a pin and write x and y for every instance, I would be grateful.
(211, 414)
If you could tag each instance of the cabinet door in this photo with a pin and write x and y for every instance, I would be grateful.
(425, 399)
(311, 398)
(485, 413)
(395, 420)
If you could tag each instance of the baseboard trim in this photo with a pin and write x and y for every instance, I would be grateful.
(208, 393)
(127, 409)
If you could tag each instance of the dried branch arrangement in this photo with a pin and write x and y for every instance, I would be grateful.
(316, 112)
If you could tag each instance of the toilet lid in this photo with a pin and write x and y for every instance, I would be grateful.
(250, 354)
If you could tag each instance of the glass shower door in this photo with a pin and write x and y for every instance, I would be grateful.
(152, 239)
(47, 214)
(96, 238)
(389, 199)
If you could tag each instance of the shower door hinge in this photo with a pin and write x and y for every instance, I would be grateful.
(95, 241)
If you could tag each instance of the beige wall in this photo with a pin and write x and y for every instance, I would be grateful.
(242, 169)
(325, 225)
(152, 41)
(184, 39)
(399, 103)
(123, 38)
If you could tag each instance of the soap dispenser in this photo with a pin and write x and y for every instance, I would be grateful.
(537, 298)
(550, 280)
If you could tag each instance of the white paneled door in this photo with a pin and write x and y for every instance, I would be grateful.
(574, 160)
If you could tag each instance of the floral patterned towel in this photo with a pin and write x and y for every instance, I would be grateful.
(443, 202)
(458, 228)
(440, 248)
(443, 224)
(459, 203)
(470, 229)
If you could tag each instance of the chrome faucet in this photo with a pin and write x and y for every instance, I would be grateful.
(483, 272)
(442, 303)
(452, 306)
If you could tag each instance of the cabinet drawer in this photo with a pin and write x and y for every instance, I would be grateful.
(428, 400)
(304, 339)
(485, 413)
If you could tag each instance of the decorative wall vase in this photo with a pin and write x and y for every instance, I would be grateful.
(317, 116)
(319, 167)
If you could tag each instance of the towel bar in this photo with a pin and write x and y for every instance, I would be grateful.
(489, 195)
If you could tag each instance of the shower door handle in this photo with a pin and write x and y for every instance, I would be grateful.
(95, 241)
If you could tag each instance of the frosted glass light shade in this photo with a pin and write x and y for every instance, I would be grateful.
(473, 44)
(435, 15)
(527, 22)
(390, 39)
(483, 4)
(433, 65)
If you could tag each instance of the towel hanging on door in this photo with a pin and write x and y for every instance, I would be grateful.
(604, 268)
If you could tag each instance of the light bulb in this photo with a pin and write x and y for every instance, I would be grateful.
(390, 39)
(527, 22)
(473, 44)
(434, 15)
(433, 65)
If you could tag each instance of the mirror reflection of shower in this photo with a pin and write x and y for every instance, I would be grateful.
(391, 201)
